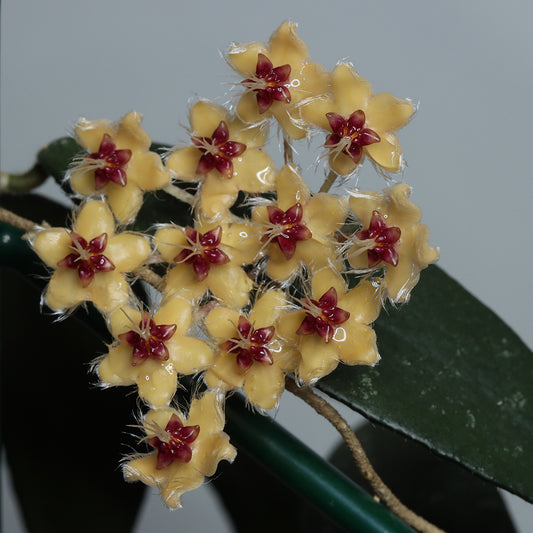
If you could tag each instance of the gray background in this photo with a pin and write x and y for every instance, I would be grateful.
(468, 150)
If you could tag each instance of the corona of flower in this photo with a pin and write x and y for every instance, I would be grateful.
(359, 123)
(209, 256)
(333, 325)
(225, 156)
(153, 349)
(251, 355)
(185, 449)
(90, 260)
(119, 164)
(278, 78)
(392, 238)
(296, 230)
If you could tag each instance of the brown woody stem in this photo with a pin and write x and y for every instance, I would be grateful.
(322, 407)
(329, 181)
(287, 150)
(14, 220)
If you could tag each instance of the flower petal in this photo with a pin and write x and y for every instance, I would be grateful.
(386, 112)
(291, 188)
(218, 194)
(205, 116)
(109, 291)
(358, 345)
(342, 164)
(182, 281)
(318, 358)
(157, 382)
(264, 385)
(225, 374)
(91, 132)
(130, 134)
(170, 241)
(387, 153)
(124, 201)
(207, 412)
(94, 219)
(244, 57)
(189, 355)
(221, 323)
(175, 311)
(363, 302)
(184, 162)
(352, 92)
(325, 213)
(147, 171)
(65, 291)
(52, 245)
(268, 309)
(254, 172)
(286, 47)
(230, 284)
(116, 367)
(128, 251)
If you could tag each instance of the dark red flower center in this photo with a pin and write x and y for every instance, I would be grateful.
(87, 258)
(349, 135)
(148, 340)
(286, 228)
(174, 443)
(109, 164)
(379, 241)
(322, 316)
(269, 83)
(250, 345)
(203, 251)
(218, 151)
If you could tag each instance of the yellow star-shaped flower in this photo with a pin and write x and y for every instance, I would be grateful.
(278, 78)
(333, 325)
(119, 164)
(186, 448)
(225, 156)
(359, 123)
(90, 260)
(392, 238)
(152, 349)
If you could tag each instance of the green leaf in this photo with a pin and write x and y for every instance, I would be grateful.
(63, 436)
(161, 208)
(452, 376)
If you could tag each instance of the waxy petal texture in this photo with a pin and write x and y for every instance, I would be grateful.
(119, 164)
(359, 123)
(413, 250)
(179, 472)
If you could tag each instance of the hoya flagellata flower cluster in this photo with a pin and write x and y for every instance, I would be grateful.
(292, 287)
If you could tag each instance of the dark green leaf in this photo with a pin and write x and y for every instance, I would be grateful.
(161, 208)
(37, 208)
(63, 436)
(454, 377)
(57, 156)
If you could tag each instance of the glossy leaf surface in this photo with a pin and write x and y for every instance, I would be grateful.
(452, 376)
